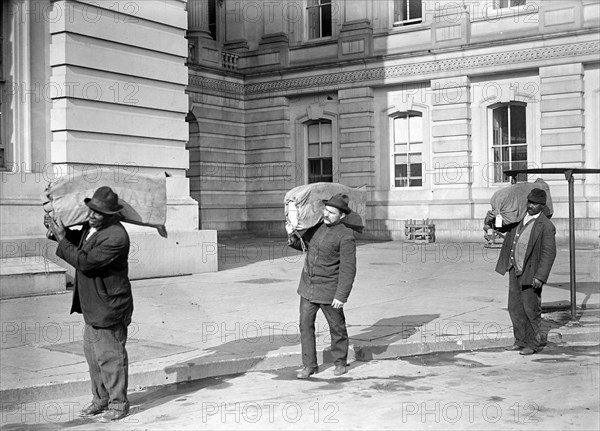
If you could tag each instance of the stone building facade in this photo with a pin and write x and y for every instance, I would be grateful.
(424, 102)
(89, 87)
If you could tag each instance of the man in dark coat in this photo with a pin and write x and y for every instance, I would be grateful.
(326, 282)
(99, 253)
(527, 253)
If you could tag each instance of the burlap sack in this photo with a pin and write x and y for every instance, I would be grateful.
(304, 204)
(143, 197)
(511, 202)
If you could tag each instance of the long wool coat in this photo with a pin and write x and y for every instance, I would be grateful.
(330, 264)
(102, 288)
(540, 253)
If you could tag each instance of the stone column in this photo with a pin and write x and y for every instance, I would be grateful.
(198, 19)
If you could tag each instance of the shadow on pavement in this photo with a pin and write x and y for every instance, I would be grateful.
(375, 339)
(588, 288)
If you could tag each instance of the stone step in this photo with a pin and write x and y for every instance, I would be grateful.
(30, 276)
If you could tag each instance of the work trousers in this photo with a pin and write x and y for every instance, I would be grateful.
(337, 329)
(525, 310)
(104, 350)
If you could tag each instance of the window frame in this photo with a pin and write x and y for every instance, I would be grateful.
(318, 5)
(497, 4)
(392, 143)
(409, 21)
(307, 143)
(492, 146)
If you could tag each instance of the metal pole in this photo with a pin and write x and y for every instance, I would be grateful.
(571, 180)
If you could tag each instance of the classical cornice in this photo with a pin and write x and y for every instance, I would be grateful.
(525, 57)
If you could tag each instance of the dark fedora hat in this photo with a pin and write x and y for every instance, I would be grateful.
(537, 196)
(104, 201)
(339, 201)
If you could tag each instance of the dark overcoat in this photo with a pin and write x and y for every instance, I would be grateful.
(330, 264)
(102, 288)
(539, 255)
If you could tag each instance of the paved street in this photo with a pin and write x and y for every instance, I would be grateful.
(487, 389)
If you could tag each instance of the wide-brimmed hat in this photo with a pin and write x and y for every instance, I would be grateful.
(537, 196)
(104, 201)
(339, 201)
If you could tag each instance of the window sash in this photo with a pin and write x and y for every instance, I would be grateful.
(319, 19)
(509, 140)
(408, 11)
(407, 150)
(504, 4)
(320, 151)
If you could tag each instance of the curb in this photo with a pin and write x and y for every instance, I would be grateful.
(190, 371)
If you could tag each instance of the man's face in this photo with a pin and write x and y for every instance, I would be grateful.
(97, 219)
(332, 215)
(533, 208)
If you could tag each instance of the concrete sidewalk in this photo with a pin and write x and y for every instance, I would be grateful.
(408, 299)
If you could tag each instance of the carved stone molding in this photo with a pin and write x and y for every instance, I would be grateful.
(461, 65)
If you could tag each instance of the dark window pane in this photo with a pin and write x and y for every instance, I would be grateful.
(314, 167)
(327, 166)
(416, 182)
(501, 126)
(326, 20)
(519, 153)
(415, 170)
(414, 9)
(517, 125)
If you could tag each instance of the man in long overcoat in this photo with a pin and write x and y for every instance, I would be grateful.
(527, 253)
(326, 282)
(99, 253)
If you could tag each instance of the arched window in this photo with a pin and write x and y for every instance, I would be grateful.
(509, 139)
(320, 151)
(407, 149)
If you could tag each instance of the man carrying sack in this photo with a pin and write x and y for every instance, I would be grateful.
(326, 282)
(99, 253)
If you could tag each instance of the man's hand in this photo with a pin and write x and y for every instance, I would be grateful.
(337, 304)
(58, 229)
(289, 228)
(537, 284)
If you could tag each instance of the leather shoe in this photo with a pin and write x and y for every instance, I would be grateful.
(92, 409)
(527, 351)
(513, 347)
(306, 372)
(339, 370)
(114, 415)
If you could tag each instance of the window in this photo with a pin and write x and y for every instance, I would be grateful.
(212, 18)
(509, 142)
(319, 19)
(320, 151)
(501, 4)
(408, 12)
(407, 152)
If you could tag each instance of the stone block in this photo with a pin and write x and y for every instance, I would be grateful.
(458, 128)
(451, 145)
(183, 252)
(569, 154)
(558, 139)
(562, 70)
(452, 112)
(31, 276)
(561, 121)
(553, 104)
(573, 84)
